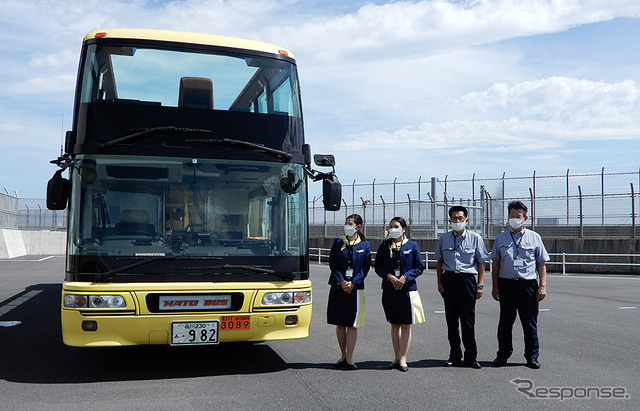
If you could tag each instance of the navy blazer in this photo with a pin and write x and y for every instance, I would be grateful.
(338, 262)
(411, 264)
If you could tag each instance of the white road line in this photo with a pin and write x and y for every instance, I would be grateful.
(544, 309)
(439, 312)
(18, 301)
(627, 308)
(31, 261)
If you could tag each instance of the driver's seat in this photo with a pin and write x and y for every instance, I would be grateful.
(134, 222)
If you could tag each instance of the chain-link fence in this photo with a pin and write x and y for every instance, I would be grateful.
(571, 205)
(29, 214)
(603, 204)
(8, 211)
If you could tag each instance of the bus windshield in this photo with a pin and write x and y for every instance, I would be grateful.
(190, 79)
(134, 206)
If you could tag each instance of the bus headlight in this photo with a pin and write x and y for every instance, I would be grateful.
(286, 298)
(94, 301)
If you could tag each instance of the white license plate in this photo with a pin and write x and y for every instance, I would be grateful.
(195, 332)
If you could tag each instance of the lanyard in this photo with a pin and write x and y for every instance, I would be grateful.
(458, 246)
(516, 244)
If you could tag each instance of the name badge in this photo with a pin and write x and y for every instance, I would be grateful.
(349, 274)
(397, 273)
(518, 262)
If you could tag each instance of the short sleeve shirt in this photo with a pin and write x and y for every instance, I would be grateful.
(519, 254)
(461, 252)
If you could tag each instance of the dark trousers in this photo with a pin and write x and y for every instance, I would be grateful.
(518, 297)
(460, 306)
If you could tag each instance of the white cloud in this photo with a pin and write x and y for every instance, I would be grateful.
(537, 116)
(407, 73)
(406, 28)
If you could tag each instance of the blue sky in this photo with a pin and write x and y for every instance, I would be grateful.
(394, 89)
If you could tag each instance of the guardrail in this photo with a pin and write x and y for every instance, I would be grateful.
(322, 255)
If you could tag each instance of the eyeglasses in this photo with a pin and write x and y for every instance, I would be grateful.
(458, 218)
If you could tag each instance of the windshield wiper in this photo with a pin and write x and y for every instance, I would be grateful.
(149, 131)
(245, 144)
(255, 268)
(108, 274)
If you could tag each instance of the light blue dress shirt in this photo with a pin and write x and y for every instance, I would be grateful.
(461, 253)
(519, 254)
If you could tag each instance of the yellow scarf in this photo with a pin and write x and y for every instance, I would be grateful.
(397, 246)
(345, 242)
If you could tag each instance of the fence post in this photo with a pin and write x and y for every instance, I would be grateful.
(394, 197)
(567, 196)
(419, 198)
(384, 215)
(364, 215)
(373, 202)
(564, 260)
(410, 214)
(581, 216)
(533, 202)
(602, 185)
(533, 210)
(633, 212)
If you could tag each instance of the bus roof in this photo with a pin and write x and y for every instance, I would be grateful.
(191, 38)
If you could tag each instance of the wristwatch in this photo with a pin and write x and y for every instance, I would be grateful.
(480, 286)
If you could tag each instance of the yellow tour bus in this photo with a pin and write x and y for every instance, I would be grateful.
(185, 177)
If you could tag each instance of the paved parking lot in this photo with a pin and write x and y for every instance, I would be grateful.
(589, 331)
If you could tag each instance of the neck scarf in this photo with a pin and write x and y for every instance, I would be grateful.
(346, 242)
(397, 246)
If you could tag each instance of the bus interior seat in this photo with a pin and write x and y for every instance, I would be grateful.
(134, 222)
(196, 92)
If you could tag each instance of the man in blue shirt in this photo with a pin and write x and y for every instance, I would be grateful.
(461, 255)
(519, 283)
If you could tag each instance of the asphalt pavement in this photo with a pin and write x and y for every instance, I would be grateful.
(589, 328)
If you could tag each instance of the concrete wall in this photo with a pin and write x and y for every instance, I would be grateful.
(17, 243)
(553, 245)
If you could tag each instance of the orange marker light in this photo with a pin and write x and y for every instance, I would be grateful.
(101, 34)
(283, 52)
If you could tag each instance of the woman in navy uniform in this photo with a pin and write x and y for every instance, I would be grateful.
(399, 263)
(349, 261)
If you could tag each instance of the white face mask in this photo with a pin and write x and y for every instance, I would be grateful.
(349, 230)
(516, 223)
(395, 232)
(458, 226)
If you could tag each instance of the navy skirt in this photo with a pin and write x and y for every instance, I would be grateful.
(344, 309)
(402, 307)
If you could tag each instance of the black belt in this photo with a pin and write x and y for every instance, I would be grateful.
(457, 272)
(517, 279)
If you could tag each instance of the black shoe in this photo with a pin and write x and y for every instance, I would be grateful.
(473, 364)
(341, 363)
(393, 365)
(499, 362)
(403, 368)
(351, 367)
(533, 363)
(452, 363)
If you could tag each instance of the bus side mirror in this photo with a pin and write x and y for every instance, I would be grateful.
(324, 160)
(331, 193)
(57, 192)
